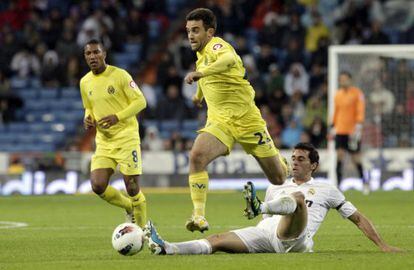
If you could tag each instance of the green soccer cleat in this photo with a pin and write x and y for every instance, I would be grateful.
(252, 202)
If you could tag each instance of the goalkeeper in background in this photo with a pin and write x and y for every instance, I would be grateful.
(348, 119)
(232, 115)
(111, 100)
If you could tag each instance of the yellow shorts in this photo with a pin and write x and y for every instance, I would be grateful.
(128, 158)
(250, 132)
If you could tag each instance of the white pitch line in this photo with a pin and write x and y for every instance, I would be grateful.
(12, 225)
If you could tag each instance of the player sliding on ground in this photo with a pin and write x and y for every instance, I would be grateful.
(112, 100)
(292, 214)
(232, 115)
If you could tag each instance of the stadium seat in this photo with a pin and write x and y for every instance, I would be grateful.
(7, 138)
(38, 127)
(191, 125)
(26, 138)
(48, 94)
(28, 94)
(17, 127)
(170, 125)
(70, 93)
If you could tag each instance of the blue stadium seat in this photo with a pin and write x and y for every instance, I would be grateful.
(26, 138)
(28, 94)
(48, 93)
(7, 138)
(191, 135)
(190, 125)
(37, 105)
(70, 93)
(18, 127)
(38, 127)
(170, 125)
(60, 104)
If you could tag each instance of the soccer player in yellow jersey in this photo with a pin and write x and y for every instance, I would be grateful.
(111, 100)
(232, 115)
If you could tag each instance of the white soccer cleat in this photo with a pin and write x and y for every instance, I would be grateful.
(155, 243)
(129, 217)
(197, 223)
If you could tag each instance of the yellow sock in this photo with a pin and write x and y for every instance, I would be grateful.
(115, 197)
(139, 207)
(198, 188)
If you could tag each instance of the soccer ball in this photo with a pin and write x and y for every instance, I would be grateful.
(127, 239)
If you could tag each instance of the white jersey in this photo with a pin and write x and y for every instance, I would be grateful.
(319, 197)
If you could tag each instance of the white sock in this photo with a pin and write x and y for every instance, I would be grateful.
(190, 247)
(284, 205)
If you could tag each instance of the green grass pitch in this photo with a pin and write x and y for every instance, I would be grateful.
(74, 232)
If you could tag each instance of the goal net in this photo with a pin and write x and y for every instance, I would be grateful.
(385, 73)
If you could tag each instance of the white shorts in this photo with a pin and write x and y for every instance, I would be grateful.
(263, 238)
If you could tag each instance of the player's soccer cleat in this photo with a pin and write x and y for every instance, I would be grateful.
(252, 202)
(129, 217)
(155, 242)
(197, 223)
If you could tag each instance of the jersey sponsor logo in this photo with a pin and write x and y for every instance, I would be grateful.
(132, 84)
(311, 191)
(111, 90)
(217, 46)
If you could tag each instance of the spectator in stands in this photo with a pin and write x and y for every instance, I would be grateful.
(291, 134)
(277, 99)
(315, 108)
(51, 72)
(66, 46)
(25, 64)
(172, 106)
(9, 47)
(376, 35)
(297, 80)
(152, 140)
(275, 80)
(294, 54)
(272, 32)
(137, 30)
(409, 102)
(317, 132)
(381, 99)
(294, 30)
(173, 78)
(315, 32)
(72, 72)
(265, 59)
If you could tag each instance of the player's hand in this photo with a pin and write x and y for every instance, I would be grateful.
(197, 102)
(193, 77)
(88, 122)
(390, 249)
(108, 121)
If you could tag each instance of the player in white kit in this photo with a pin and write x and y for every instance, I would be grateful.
(292, 214)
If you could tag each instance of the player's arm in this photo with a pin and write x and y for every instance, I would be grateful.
(360, 115)
(136, 100)
(88, 120)
(198, 97)
(225, 60)
(366, 226)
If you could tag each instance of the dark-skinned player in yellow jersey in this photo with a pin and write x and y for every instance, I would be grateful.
(112, 100)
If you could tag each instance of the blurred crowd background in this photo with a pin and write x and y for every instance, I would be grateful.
(284, 46)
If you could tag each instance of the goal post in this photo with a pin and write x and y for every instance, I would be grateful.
(373, 67)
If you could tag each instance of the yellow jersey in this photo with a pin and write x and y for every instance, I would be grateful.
(113, 92)
(225, 87)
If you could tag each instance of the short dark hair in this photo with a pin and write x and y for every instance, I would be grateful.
(313, 153)
(346, 73)
(96, 42)
(205, 15)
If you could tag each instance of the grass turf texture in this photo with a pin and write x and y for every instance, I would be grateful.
(74, 232)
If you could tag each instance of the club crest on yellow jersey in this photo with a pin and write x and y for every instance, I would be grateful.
(111, 90)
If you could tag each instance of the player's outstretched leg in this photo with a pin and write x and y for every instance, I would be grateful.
(155, 243)
(252, 201)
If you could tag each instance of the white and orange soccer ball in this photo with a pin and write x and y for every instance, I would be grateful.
(128, 239)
